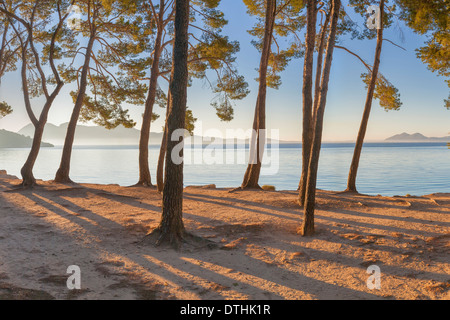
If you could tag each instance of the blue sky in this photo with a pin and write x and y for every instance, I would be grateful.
(422, 92)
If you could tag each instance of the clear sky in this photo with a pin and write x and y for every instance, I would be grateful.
(422, 92)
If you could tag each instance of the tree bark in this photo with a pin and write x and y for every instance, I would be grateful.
(28, 179)
(351, 183)
(320, 50)
(62, 175)
(162, 152)
(307, 95)
(251, 177)
(144, 168)
(160, 166)
(308, 228)
(171, 228)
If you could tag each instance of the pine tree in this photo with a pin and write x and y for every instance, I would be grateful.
(32, 27)
(308, 227)
(171, 229)
(111, 30)
(209, 49)
(307, 90)
(8, 41)
(276, 20)
(430, 18)
(377, 87)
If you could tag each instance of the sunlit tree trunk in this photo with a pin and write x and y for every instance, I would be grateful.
(28, 179)
(160, 165)
(144, 168)
(63, 173)
(319, 67)
(257, 142)
(351, 183)
(162, 152)
(308, 227)
(307, 94)
(171, 228)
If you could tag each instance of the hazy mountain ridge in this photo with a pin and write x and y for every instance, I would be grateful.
(10, 139)
(416, 137)
(92, 135)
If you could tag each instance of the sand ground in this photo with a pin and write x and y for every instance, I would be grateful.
(259, 255)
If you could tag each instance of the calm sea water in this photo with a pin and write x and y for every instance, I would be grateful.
(385, 168)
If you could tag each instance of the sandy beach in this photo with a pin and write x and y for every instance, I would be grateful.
(258, 253)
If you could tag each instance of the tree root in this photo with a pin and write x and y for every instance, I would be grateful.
(348, 191)
(144, 184)
(63, 181)
(242, 188)
(185, 241)
(21, 187)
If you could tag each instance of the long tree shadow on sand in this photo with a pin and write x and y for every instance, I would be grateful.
(261, 257)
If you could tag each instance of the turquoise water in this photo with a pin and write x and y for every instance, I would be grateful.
(385, 168)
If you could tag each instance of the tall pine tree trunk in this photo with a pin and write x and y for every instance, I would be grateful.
(308, 227)
(320, 50)
(62, 175)
(171, 228)
(144, 168)
(351, 183)
(257, 142)
(307, 95)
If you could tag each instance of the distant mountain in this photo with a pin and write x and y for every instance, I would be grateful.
(14, 140)
(416, 137)
(92, 135)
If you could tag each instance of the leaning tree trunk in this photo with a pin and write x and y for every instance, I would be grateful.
(162, 151)
(351, 183)
(62, 175)
(308, 227)
(28, 179)
(257, 142)
(144, 168)
(171, 228)
(307, 95)
(160, 165)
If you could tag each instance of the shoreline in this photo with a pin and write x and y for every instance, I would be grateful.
(406, 195)
(45, 230)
